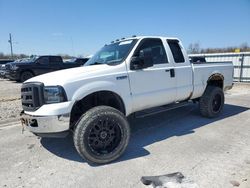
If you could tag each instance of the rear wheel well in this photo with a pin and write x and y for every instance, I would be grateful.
(100, 98)
(216, 80)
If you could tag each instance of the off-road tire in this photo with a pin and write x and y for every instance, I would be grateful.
(211, 102)
(86, 128)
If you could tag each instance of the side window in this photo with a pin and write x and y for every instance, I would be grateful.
(54, 59)
(156, 48)
(176, 51)
(43, 60)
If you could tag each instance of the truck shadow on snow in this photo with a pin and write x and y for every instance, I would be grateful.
(148, 130)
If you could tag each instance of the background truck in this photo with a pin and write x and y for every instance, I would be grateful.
(28, 68)
(2, 71)
(79, 60)
(197, 59)
(3, 62)
(123, 78)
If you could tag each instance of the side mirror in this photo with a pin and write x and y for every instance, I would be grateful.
(144, 60)
(136, 63)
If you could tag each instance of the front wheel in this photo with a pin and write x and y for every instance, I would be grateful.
(212, 102)
(101, 135)
(26, 75)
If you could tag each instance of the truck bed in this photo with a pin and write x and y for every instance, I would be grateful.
(203, 70)
(212, 62)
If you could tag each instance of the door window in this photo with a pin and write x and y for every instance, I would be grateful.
(43, 60)
(155, 47)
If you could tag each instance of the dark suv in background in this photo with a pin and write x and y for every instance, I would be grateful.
(28, 68)
(3, 63)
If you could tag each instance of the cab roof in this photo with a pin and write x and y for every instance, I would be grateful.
(142, 37)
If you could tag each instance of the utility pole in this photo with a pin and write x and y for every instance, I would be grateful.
(11, 48)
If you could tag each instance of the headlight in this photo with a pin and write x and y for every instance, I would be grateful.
(14, 67)
(54, 94)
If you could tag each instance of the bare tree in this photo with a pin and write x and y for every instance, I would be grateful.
(244, 46)
(194, 48)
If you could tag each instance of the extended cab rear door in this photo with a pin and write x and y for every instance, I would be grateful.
(182, 69)
(152, 86)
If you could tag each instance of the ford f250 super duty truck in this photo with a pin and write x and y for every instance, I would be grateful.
(122, 78)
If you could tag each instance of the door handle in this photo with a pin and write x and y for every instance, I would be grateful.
(172, 72)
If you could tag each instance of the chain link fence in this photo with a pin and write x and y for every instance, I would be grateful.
(241, 62)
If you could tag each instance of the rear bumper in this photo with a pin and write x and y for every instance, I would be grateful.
(46, 124)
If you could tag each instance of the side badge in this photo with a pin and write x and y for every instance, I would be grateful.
(121, 77)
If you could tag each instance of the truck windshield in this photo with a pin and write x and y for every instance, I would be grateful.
(112, 54)
(30, 59)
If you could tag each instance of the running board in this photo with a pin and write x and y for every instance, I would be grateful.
(160, 109)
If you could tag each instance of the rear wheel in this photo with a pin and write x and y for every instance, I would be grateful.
(212, 101)
(101, 135)
(26, 75)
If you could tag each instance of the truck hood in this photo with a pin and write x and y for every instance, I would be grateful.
(65, 76)
(21, 63)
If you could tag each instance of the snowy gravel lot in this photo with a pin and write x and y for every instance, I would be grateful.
(10, 103)
(210, 153)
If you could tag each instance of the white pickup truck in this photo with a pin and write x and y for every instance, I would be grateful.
(124, 77)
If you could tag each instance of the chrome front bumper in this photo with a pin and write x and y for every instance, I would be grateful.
(46, 124)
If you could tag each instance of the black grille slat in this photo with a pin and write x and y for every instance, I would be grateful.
(36, 93)
(32, 96)
(30, 101)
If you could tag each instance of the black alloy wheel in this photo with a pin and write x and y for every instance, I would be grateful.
(101, 135)
(211, 102)
(216, 104)
(104, 136)
(25, 76)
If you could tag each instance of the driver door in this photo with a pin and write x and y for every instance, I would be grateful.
(152, 86)
(42, 65)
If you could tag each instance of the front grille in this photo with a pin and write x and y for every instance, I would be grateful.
(32, 96)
